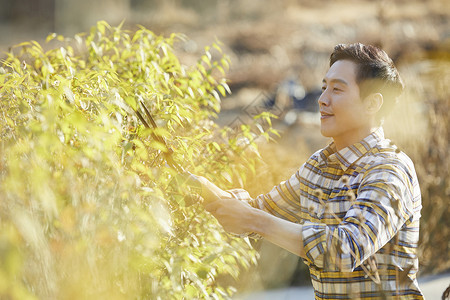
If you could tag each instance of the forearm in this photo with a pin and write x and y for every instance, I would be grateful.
(238, 217)
(285, 234)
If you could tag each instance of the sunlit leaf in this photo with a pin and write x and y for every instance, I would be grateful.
(131, 101)
(83, 178)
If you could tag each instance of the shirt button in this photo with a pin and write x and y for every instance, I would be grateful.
(320, 214)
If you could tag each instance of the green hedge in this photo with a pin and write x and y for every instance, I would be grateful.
(87, 207)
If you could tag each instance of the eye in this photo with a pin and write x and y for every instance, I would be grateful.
(324, 88)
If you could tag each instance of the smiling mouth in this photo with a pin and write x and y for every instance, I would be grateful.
(324, 115)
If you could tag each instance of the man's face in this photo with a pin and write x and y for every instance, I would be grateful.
(343, 114)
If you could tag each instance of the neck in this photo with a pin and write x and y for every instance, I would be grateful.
(348, 139)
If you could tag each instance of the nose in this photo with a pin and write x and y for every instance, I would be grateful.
(323, 99)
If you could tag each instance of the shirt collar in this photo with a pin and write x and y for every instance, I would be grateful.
(347, 156)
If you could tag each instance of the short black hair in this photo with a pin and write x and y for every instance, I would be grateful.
(376, 72)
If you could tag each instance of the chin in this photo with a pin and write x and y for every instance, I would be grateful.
(326, 133)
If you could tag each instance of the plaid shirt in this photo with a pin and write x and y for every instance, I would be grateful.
(360, 210)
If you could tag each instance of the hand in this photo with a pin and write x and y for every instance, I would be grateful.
(235, 216)
(208, 190)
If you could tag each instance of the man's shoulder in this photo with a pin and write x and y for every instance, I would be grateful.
(386, 152)
(388, 156)
(383, 153)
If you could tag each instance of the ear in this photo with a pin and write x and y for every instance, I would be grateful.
(373, 103)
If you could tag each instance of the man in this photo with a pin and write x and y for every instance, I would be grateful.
(352, 210)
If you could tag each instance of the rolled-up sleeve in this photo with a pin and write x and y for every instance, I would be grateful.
(384, 203)
(282, 201)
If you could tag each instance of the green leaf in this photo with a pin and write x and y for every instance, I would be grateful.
(131, 101)
(50, 37)
(216, 95)
(206, 60)
(99, 182)
(221, 90)
(158, 146)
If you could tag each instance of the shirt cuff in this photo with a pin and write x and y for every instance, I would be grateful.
(243, 195)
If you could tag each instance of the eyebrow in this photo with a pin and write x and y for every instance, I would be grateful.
(336, 80)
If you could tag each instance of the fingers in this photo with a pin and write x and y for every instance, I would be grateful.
(212, 207)
(208, 190)
(186, 179)
(189, 179)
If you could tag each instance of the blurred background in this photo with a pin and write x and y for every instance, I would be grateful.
(279, 53)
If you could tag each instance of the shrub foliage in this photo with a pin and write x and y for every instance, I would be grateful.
(87, 206)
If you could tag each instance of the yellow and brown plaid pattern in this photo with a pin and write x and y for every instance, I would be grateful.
(360, 210)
